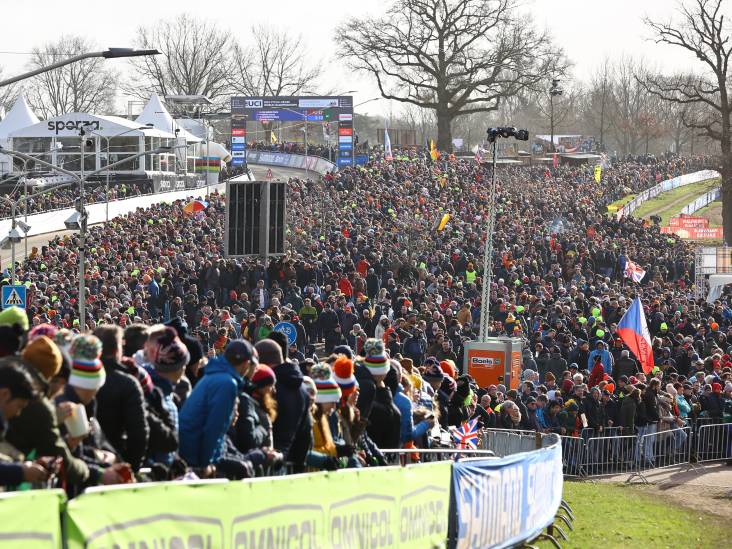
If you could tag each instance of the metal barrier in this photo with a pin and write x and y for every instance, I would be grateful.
(505, 442)
(408, 456)
(714, 442)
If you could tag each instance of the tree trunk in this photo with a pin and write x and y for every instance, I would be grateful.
(444, 131)
(727, 197)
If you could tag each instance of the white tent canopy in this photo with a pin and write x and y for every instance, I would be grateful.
(70, 124)
(716, 284)
(20, 116)
(156, 114)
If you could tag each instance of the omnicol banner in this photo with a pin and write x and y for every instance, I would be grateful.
(31, 520)
(381, 507)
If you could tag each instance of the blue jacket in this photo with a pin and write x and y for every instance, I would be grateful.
(607, 360)
(207, 413)
(408, 430)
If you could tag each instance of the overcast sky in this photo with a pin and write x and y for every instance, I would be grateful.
(588, 30)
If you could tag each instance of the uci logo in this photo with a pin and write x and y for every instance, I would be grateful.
(253, 103)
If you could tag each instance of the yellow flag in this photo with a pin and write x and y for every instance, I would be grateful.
(598, 173)
(443, 222)
(273, 137)
(434, 153)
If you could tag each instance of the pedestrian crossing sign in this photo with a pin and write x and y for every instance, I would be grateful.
(14, 296)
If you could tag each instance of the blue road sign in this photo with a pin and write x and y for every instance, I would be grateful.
(289, 330)
(14, 296)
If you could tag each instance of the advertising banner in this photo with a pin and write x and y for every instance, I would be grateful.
(501, 502)
(688, 222)
(32, 519)
(380, 507)
(298, 161)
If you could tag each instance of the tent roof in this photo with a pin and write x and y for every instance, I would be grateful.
(68, 125)
(156, 114)
(20, 116)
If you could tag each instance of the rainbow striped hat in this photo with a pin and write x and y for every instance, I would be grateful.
(87, 371)
(328, 390)
(375, 359)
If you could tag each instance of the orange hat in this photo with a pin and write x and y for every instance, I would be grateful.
(448, 366)
(343, 375)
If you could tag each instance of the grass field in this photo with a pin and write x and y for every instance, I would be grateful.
(619, 515)
(623, 201)
(713, 212)
(668, 204)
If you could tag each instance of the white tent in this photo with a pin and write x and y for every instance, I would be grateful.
(70, 124)
(717, 283)
(19, 117)
(156, 114)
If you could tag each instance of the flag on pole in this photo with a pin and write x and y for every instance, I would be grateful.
(479, 154)
(434, 153)
(633, 271)
(555, 160)
(598, 173)
(633, 330)
(387, 145)
(443, 222)
(272, 136)
(466, 436)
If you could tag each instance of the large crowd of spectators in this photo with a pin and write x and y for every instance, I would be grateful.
(182, 339)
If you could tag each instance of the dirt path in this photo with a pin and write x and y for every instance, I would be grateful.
(703, 487)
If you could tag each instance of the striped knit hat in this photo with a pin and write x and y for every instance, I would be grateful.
(328, 390)
(375, 357)
(87, 371)
(343, 375)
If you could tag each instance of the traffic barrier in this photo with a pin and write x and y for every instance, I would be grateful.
(660, 449)
(609, 455)
(31, 520)
(714, 442)
(505, 502)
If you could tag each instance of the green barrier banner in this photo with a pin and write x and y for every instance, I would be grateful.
(368, 508)
(31, 520)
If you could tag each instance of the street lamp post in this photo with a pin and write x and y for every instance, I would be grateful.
(79, 224)
(554, 91)
(111, 53)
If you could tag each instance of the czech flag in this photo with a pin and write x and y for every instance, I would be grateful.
(633, 330)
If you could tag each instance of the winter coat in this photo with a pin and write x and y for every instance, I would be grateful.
(556, 365)
(165, 418)
(292, 430)
(650, 401)
(253, 429)
(121, 413)
(625, 367)
(206, 415)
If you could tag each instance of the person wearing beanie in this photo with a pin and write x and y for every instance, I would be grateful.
(206, 416)
(448, 366)
(36, 429)
(87, 377)
(14, 316)
(48, 330)
(257, 412)
(712, 403)
(120, 401)
(375, 358)
(343, 370)
(324, 454)
(410, 435)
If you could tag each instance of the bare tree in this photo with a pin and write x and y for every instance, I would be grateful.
(85, 86)
(195, 59)
(456, 57)
(8, 94)
(629, 100)
(599, 97)
(274, 63)
(702, 30)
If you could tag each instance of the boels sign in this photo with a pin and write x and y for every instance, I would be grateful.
(73, 127)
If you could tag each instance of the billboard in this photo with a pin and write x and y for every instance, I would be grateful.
(318, 109)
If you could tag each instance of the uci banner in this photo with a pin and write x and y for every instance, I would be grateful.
(381, 507)
(32, 519)
(501, 502)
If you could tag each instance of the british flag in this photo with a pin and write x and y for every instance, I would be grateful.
(634, 271)
(466, 436)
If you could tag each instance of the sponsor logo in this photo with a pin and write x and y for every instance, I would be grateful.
(238, 146)
(345, 139)
(238, 132)
(60, 125)
(345, 131)
(485, 362)
(238, 153)
(253, 103)
(345, 117)
(238, 139)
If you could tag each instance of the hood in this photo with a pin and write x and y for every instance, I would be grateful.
(288, 374)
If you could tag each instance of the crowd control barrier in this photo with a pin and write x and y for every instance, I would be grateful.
(30, 520)
(474, 502)
(663, 186)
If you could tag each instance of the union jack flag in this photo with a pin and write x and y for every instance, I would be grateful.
(466, 436)
(634, 271)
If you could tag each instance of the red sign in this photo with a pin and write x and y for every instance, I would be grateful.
(695, 233)
(238, 132)
(345, 131)
(269, 173)
(687, 221)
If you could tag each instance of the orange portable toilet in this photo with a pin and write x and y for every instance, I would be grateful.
(488, 361)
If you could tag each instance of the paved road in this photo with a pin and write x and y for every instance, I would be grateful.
(260, 172)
